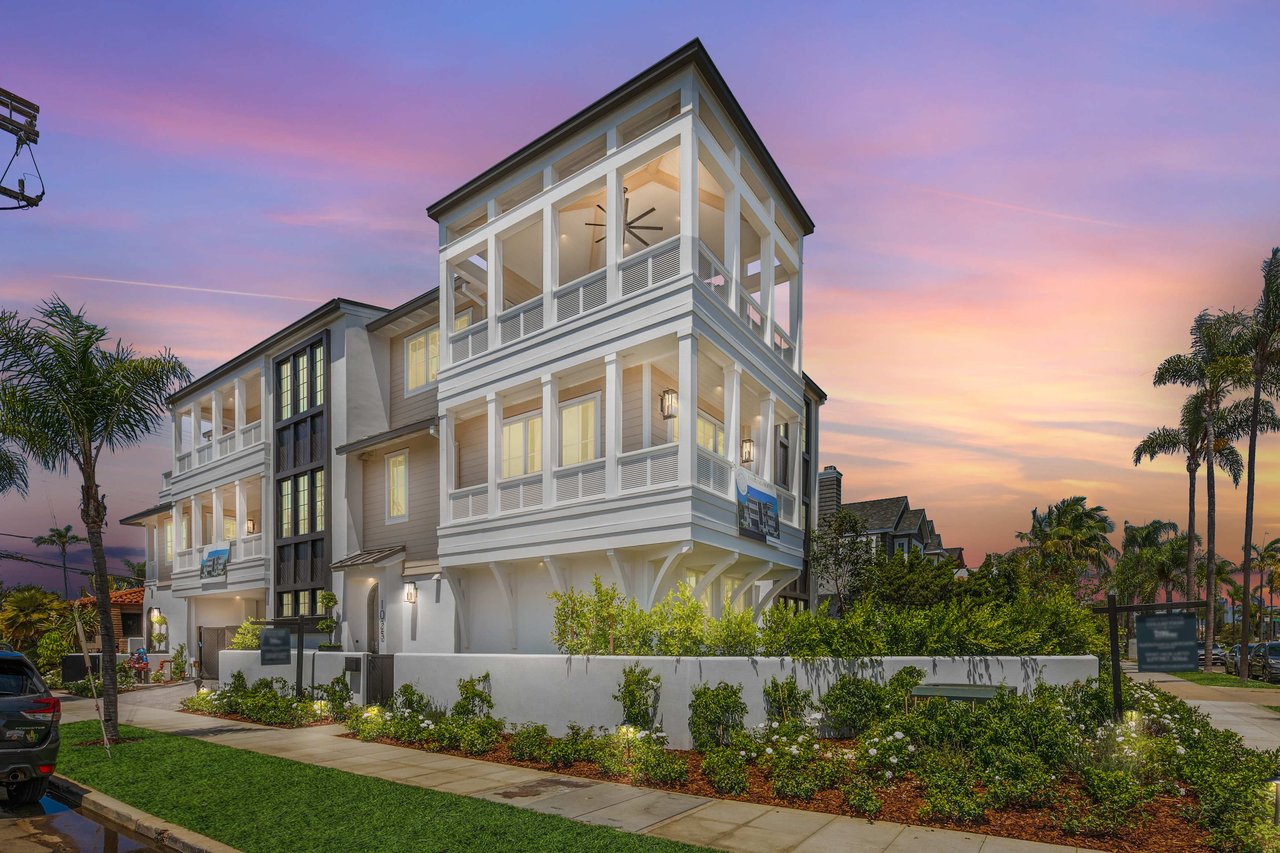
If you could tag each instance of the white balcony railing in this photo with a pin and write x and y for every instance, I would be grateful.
(524, 493)
(251, 434)
(575, 482)
(656, 264)
(653, 466)
(520, 322)
(472, 502)
(750, 311)
(204, 453)
(712, 471)
(223, 446)
(165, 480)
(248, 548)
(182, 464)
(472, 341)
(226, 444)
(783, 345)
(185, 560)
(712, 272)
(786, 506)
(586, 294)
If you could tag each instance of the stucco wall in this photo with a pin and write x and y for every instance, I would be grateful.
(326, 665)
(554, 689)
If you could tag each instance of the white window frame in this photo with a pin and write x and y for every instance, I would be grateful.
(673, 426)
(465, 313)
(387, 459)
(595, 426)
(536, 414)
(425, 335)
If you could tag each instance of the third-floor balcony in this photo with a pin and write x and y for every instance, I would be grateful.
(219, 424)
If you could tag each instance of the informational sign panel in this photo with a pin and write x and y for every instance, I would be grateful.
(757, 508)
(274, 645)
(1167, 642)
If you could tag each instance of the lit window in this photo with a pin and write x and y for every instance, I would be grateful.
(286, 605)
(304, 602)
(433, 353)
(228, 528)
(286, 509)
(416, 362)
(462, 320)
(522, 446)
(317, 372)
(284, 390)
(304, 504)
(398, 486)
(168, 541)
(710, 434)
(579, 428)
(303, 385)
(319, 490)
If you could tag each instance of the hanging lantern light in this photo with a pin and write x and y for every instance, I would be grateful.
(669, 402)
(748, 451)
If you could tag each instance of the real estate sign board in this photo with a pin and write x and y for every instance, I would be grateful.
(274, 646)
(1167, 642)
(757, 508)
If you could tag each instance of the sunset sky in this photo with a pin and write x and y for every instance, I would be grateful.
(1019, 208)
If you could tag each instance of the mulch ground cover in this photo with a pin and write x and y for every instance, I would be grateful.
(1164, 830)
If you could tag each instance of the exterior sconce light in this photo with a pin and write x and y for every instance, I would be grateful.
(250, 527)
(411, 593)
(748, 451)
(669, 400)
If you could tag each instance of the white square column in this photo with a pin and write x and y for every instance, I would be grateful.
(241, 406)
(197, 522)
(219, 525)
(447, 312)
(175, 530)
(766, 286)
(688, 412)
(550, 438)
(242, 514)
(615, 222)
(612, 422)
(493, 251)
(688, 198)
(764, 448)
(494, 431)
(217, 421)
(448, 461)
(733, 414)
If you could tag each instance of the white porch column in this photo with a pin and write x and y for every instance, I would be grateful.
(797, 463)
(764, 447)
(242, 514)
(219, 526)
(197, 522)
(175, 415)
(493, 251)
(614, 206)
(766, 286)
(797, 306)
(550, 260)
(688, 198)
(732, 256)
(494, 424)
(241, 405)
(612, 422)
(448, 458)
(195, 430)
(447, 312)
(646, 405)
(217, 419)
(550, 438)
(733, 414)
(688, 412)
(264, 413)
(175, 531)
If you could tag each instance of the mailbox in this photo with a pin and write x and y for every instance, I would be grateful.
(352, 665)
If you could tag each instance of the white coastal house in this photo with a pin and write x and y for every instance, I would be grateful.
(608, 382)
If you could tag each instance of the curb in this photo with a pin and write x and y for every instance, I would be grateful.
(163, 833)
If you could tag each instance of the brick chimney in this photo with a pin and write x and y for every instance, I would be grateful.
(829, 491)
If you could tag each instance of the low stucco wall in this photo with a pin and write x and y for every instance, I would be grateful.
(317, 668)
(556, 689)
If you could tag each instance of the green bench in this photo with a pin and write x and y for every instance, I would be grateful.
(971, 693)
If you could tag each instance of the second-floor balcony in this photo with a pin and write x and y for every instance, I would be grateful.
(219, 424)
(216, 531)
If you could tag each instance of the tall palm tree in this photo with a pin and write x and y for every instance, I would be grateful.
(1258, 336)
(27, 614)
(13, 471)
(61, 538)
(1141, 546)
(65, 396)
(1070, 538)
(1268, 560)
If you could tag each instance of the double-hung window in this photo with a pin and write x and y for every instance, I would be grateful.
(710, 433)
(421, 359)
(397, 486)
(579, 430)
(522, 445)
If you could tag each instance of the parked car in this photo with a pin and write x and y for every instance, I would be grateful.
(1219, 655)
(1264, 662)
(29, 716)
(1233, 658)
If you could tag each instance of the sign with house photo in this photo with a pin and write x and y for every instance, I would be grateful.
(757, 508)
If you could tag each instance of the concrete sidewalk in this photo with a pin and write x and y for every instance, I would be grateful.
(723, 824)
(1240, 709)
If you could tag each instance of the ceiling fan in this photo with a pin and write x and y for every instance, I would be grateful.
(629, 225)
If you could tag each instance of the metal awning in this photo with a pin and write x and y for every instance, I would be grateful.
(390, 435)
(372, 557)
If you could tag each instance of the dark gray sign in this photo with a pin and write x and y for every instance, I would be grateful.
(274, 643)
(1167, 642)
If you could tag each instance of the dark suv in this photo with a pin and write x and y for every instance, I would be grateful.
(1264, 662)
(29, 716)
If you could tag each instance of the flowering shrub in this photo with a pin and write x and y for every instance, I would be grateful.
(726, 769)
(267, 701)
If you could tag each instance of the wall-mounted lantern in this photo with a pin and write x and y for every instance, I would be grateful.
(669, 401)
(411, 593)
(748, 451)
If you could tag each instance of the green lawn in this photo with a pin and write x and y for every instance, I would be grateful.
(1221, 679)
(261, 803)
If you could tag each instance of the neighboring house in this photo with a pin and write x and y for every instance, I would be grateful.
(892, 525)
(608, 382)
(126, 617)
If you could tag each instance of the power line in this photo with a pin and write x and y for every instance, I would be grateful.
(22, 558)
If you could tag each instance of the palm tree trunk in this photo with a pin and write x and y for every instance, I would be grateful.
(93, 512)
(1168, 594)
(1193, 466)
(1247, 565)
(1211, 564)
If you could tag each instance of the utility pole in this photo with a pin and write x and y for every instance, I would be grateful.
(18, 118)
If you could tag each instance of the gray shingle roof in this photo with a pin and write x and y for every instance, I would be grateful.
(880, 514)
(910, 522)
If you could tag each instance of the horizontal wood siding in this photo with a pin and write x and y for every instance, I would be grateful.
(418, 534)
(473, 447)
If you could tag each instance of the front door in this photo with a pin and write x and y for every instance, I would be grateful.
(212, 641)
(373, 625)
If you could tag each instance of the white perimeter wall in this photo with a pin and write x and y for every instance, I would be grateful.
(555, 689)
(317, 668)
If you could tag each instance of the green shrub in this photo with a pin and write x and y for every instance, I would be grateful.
(861, 796)
(726, 769)
(948, 789)
(474, 699)
(1117, 801)
(412, 716)
(654, 763)
(529, 742)
(785, 702)
(178, 663)
(580, 743)
(715, 713)
(796, 776)
(638, 694)
(247, 637)
(1019, 779)
(51, 649)
(479, 735)
(337, 693)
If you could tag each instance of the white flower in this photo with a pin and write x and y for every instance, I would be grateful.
(888, 774)
(911, 747)
(742, 753)
(893, 759)
(871, 751)
(1181, 751)
(768, 750)
(898, 735)
(643, 734)
(774, 738)
(775, 724)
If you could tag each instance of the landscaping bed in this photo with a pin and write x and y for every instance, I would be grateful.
(271, 702)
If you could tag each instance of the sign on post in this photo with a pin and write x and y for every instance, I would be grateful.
(1167, 642)
(274, 646)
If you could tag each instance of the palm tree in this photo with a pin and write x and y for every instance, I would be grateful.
(64, 398)
(1070, 538)
(61, 538)
(13, 471)
(27, 614)
(1140, 548)
(1258, 336)
(1268, 558)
